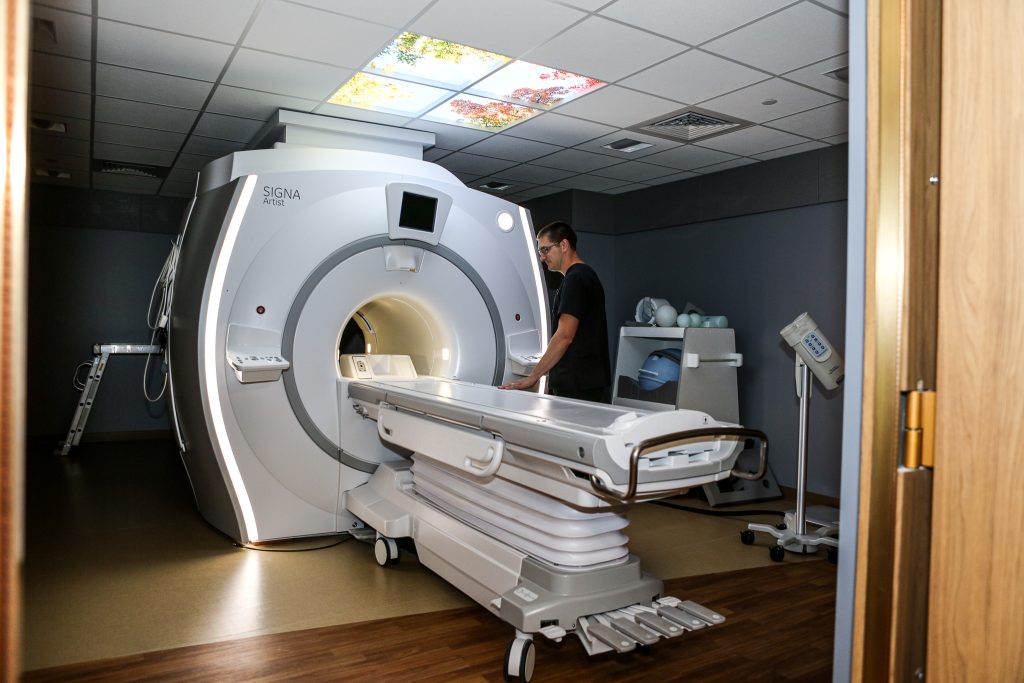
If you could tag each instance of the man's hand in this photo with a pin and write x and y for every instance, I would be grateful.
(519, 384)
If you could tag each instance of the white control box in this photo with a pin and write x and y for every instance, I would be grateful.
(257, 364)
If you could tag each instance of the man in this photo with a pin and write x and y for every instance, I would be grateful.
(576, 359)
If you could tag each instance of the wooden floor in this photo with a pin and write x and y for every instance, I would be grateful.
(779, 628)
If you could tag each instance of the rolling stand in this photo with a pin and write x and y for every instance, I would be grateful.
(794, 535)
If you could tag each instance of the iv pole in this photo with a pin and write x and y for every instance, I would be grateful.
(794, 536)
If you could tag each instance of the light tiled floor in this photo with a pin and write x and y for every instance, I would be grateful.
(118, 561)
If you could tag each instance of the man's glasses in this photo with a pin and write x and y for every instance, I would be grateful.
(543, 251)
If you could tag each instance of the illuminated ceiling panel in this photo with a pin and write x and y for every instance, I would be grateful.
(480, 112)
(414, 73)
(369, 91)
(434, 62)
(535, 85)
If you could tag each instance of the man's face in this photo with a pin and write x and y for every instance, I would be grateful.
(550, 253)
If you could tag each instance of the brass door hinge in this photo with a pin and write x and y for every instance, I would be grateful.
(919, 429)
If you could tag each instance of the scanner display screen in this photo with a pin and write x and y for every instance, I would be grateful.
(417, 212)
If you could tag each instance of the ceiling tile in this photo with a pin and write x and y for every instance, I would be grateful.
(142, 86)
(77, 179)
(284, 75)
(725, 166)
(588, 182)
(361, 114)
(253, 104)
(395, 13)
(183, 175)
(62, 162)
(795, 149)
(656, 145)
(528, 173)
(508, 28)
(587, 49)
(618, 107)
(771, 44)
(223, 20)
(751, 141)
(632, 187)
(635, 171)
(73, 33)
(435, 153)
(812, 75)
(54, 71)
(576, 160)
(60, 102)
(688, 157)
(449, 137)
(142, 48)
(685, 175)
(818, 123)
(76, 129)
(227, 127)
(559, 130)
(134, 155)
(81, 6)
(693, 77)
(838, 5)
(316, 35)
(471, 163)
(747, 103)
(210, 147)
(194, 161)
(144, 115)
(138, 137)
(700, 20)
(837, 139)
(513, 149)
(48, 145)
(466, 178)
(533, 193)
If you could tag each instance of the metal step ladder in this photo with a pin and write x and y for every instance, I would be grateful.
(101, 355)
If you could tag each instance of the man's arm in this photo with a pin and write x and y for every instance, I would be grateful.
(559, 344)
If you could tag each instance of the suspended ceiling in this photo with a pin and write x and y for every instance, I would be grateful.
(176, 84)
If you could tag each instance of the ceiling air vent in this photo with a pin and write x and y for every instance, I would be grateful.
(125, 168)
(690, 124)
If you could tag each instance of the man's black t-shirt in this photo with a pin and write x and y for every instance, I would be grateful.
(585, 365)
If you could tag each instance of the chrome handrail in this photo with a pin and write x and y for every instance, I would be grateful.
(668, 440)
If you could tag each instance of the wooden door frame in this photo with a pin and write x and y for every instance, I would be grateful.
(900, 322)
(14, 39)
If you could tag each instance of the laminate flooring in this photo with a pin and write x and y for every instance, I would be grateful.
(119, 563)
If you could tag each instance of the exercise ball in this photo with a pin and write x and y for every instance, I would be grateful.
(665, 316)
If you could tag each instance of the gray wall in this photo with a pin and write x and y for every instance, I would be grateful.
(93, 258)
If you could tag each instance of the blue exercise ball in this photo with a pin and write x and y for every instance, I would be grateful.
(660, 367)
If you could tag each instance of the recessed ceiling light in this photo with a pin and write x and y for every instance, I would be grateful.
(535, 85)
(389, 95)
(495, 186)
(627, 145)
(53, 173)
(770, 102)
(49, 125)
(434, 61)
(842, 74)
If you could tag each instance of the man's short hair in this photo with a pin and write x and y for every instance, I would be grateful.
(558, 231)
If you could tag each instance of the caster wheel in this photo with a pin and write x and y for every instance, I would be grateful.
(833, 555)
(385, 551)
(777, 553)
(519, 660)
(747, 537)
(781, 526)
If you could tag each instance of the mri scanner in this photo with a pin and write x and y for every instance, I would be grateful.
(340, 317)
